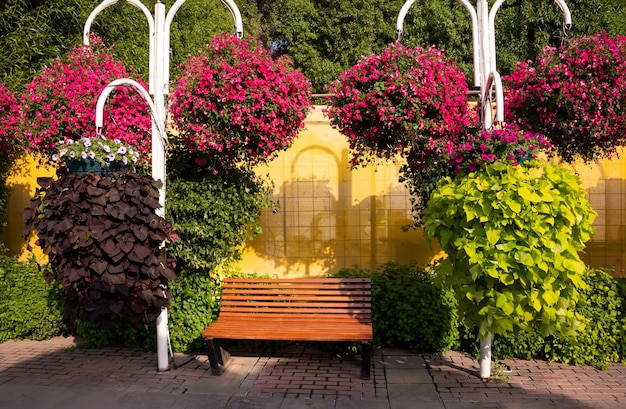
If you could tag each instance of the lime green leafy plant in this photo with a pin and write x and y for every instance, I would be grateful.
(512, 235)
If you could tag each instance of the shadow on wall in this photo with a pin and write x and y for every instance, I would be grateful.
(607, 248)
(320, 229)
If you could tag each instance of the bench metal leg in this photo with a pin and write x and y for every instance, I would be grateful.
(215, 356)
(366, 355)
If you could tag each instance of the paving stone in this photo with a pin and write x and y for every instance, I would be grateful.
(413, 393)
(258, 403)
(412, 376)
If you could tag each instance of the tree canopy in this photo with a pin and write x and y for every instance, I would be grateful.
(323, 37)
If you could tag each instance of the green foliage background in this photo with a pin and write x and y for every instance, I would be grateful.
(324, 37)
(29, 308)
(408, 310)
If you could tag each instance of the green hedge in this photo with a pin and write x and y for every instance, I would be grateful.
(600, 343)
(29, 308)
(408, 310)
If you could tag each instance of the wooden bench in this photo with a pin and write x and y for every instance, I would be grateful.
(314, 309)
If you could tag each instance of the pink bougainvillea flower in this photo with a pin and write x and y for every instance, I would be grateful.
(505, 142)
(400, 101)
(237, 105)
(60, 103)
(575, 95)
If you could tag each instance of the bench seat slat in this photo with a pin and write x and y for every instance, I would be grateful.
(313, 309)
(299, 310)
(300, 293)
(297, 303)
(362, 318)
(289, 330)
(299, 281)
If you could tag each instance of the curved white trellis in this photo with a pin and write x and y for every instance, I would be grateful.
(102, 99)
(494, 83)
(159, 61)
(484, 48)
(145, 11)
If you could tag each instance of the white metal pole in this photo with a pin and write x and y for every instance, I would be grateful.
(485, 107)
(485, 357)
(159, 30)
(158, 161)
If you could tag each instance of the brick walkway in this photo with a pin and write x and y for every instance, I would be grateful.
(308, 374)
(457, 380)
(299, 375)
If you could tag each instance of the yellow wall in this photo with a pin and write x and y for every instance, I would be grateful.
(606, 184)
(23, 183)
(330, 217)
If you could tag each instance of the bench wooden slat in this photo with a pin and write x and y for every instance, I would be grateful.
(297, 281)
(311, 309)
(301, 297)
(298, 303)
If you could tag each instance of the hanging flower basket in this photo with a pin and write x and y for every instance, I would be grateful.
(237, 105)
(60, 103)
(103, 237)
(97, 155)
(400, 101)
(574, 95)
(84, 166)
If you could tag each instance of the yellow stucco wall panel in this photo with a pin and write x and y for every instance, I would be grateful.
(330, 217)
(23, 183)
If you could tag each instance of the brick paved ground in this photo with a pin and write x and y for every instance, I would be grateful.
(297, 374)
(306, 373)
(456, 378)
(59, 363)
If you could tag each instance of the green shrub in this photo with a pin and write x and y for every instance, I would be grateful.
(29, 308)
(118, 330)
(408, 310)
(213, 214)
(195, 304)
(599, 343)
(512, 235)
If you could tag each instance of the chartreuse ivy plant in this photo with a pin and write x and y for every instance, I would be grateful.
(512, 235)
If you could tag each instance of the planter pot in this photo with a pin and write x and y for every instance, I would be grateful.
(85, 166)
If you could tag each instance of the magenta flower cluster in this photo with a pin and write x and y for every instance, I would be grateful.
(401, 100)
(237, 105)
(60, 103)
(575, 95)
(9, 116)
(501, 143)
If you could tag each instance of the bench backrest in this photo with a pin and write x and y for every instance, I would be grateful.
(337, 297)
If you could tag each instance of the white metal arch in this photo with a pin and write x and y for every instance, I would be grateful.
(146, 12)
(159, 27)
(156, 121)
(158, 38)
(482, 33)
